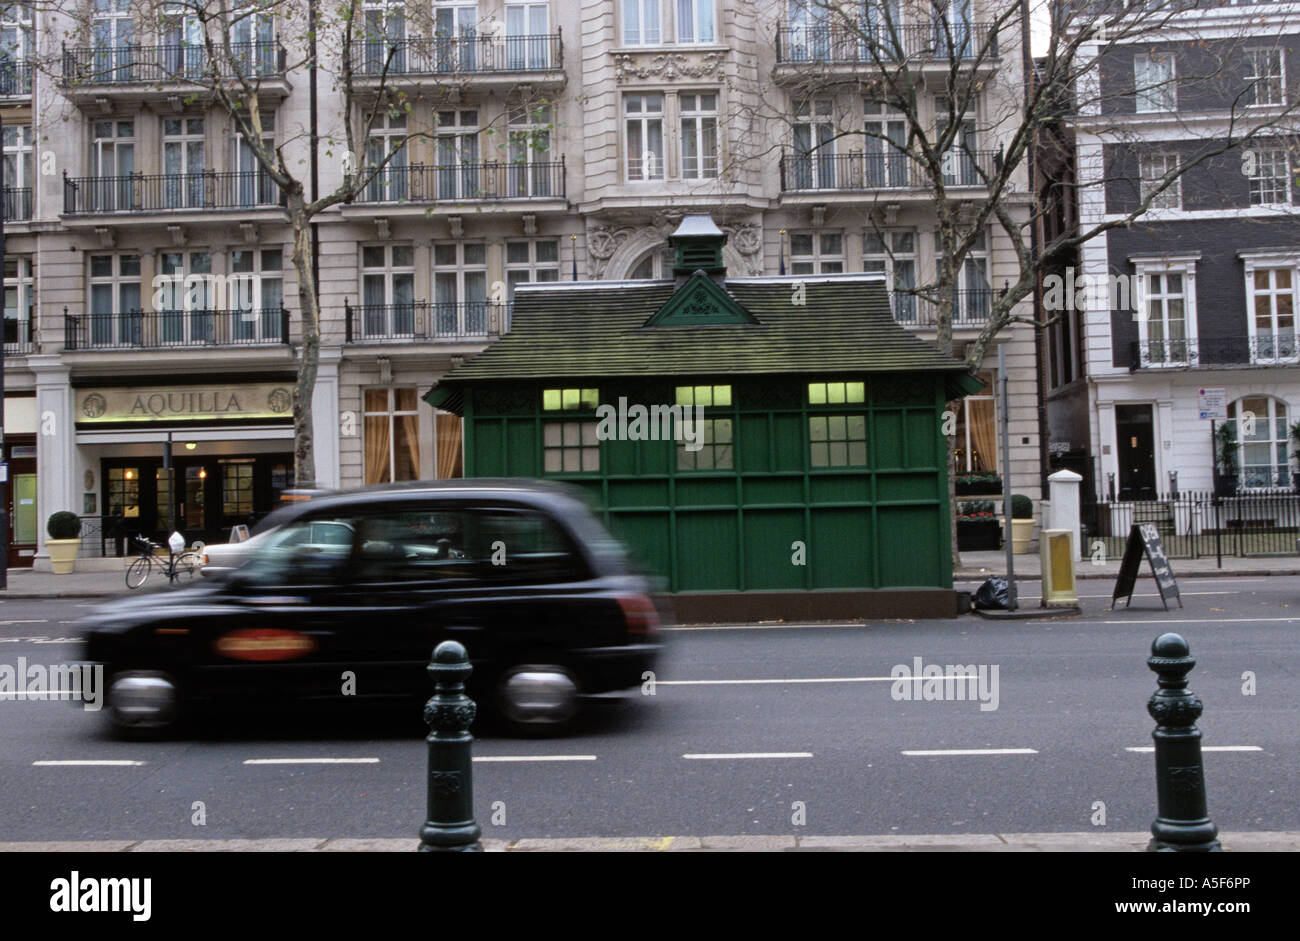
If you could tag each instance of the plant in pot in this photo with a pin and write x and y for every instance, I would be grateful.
(1226, 443)
(976, 526)
(64, 531)
(1022, 523)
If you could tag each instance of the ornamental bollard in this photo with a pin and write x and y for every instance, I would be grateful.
(1183, 824)
(450, 827)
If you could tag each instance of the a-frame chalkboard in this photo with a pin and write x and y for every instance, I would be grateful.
(1144, 539)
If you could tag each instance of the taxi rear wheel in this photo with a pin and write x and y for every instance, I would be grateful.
(142, 704)
(537, 699)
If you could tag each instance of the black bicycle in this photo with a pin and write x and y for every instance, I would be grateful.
(182, 566)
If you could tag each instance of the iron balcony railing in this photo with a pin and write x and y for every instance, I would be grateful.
(968, 307)
(15, 77)
(16, 203)
(373, 57)
(861, 172)
(424, 321)
(20, 337)
(868, 42)
(418, 183)
(172, 62)
(175, 329)
(160, 192)
(1263, 349)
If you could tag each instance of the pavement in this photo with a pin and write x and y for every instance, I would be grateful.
(1251, 842)
(975, 567)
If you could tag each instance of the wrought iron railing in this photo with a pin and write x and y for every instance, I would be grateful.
(16, 203)
(916, 310)
(19, 337)
(1263, 349)
(868, 42)
(161, 192)
(15, 77)
(863, 172)
(424, 320)
(170, 63)
(377, 56)
(175, 329)
(417, 183)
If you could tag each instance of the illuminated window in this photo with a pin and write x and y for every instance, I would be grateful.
(568, 400)
(836, 393)
(708, 396)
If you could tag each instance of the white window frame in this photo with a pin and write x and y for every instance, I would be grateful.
(1273, 84)
(1154, 167)
(1273, 440)
(816, 165)
(642, 22)
(1272, 261)
(635, 168)
(697, 15)
(699, 118)
(121, 324)
(1269, 158)
(892, 253)
(528, 151)
(257, 323)
(23, 285)
(820, 260)
(1184, 265)
(457, 154)
(1160, 93)
(392, 321)
(471, 314)
(391, 412)
(388, 136)
(19, 167)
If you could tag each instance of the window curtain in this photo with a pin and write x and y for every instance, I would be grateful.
(377, 467)
(983, 434)
(449, 446)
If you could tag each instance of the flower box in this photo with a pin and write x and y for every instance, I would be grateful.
(971, 485)
(976, 534)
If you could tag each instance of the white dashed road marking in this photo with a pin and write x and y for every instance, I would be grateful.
(937, 752)
(504, 758)
(311, 761)
(1148, 749)
(87, 763)
(753, 754)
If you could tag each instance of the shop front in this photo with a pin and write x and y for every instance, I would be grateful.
(18, 486)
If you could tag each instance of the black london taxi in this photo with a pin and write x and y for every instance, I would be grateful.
(346, 599)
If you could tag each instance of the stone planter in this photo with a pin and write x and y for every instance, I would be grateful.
(1022, 534)
(63, 554)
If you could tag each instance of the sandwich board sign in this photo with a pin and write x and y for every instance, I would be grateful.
(1144, 539)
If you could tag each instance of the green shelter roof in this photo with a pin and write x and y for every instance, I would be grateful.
(801, 324)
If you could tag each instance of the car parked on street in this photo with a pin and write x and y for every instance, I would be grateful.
(344, 599)
(220, 559)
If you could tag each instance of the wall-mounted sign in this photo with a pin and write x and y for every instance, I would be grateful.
(1212, 404)
(183, 403)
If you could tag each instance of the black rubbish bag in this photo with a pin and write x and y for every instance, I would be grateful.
(992, 595)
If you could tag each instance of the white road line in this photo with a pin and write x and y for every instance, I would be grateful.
(772, 627)
(935, 752)
(1148, 749)
(823, 679)
(705, 756)
(87, 763)
(311, 761)
(32, 621)
(503, 758)
(1203, 621)
(1184, 594)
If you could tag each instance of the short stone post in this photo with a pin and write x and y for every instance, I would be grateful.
(1064, 496)
(450, 826)
(1183, 824)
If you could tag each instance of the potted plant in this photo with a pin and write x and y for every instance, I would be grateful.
(1022, 523)
(976, 526)
(1226, 441)
(64, 531)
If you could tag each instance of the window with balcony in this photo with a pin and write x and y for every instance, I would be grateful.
(391, 419)
(183, 46)
(1153, 82)
(455, 31)
(884, 154)
(1154, 169)
(384, 35)
(952, 28)
(1268, 171)
(19, 182)
(699, 137)
(256, 294)
(643, 137)
(973, 300)
(252, 184)
(531, 260)
(387, 140)
(808, 32)
(531, 172)
(1265, 83)
(184, 164)
(112, 31)
(252, 41)
(387, 291)
(528, 44)
(959, 160)
(185, 316)
(456, 147)
(1167, 314)
(816, 252)
(1271, 293)
(460, 291)
(16, 49)
(20, 304)
(112, 161)
(814, 145)
(893, 254)
(116, 317)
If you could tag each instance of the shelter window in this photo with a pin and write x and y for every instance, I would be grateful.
(708, 396)
(836, 393)
(570, 447)
(838, 440)
(555, 400)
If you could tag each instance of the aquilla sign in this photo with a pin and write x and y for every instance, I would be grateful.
(183, 403)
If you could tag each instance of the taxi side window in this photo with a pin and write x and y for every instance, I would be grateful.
(412, 545)
(523, 545)
(305, 552)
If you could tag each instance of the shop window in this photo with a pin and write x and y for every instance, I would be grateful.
(554, 400)
(237, 488)
(570, 447)
(124, 492)
(976, 431)
(392, 435)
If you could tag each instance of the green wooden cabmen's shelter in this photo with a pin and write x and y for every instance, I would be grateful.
(772, 446)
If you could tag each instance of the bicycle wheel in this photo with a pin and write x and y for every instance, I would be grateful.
(138, 572)
(187, 564)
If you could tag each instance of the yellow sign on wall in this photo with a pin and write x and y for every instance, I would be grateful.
(184, 403)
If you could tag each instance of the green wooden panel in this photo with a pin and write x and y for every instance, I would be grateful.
(488, 435)
(791, 436)
(839, 488)
(839, 548)
(657, 457)
(707, 555)
(619, 457)
(521, 441)
(917, 487)
(768, 552)
(923, 431)
(772, 490)
(697, 492)
(909, 554)
(886, 439)
(751, 440)
(647, 535)
(638, 492)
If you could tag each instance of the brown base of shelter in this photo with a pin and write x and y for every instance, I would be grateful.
(747, 607)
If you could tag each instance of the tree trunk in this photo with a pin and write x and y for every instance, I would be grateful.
(304, 445)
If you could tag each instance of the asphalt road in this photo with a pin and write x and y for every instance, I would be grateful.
(746, 727)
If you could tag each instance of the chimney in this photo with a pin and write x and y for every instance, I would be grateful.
(697, 246)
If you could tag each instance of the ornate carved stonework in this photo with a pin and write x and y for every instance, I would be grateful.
(605, 239)
(669, 66)
(748, 240)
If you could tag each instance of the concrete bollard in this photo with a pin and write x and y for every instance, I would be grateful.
(1183, 824)
(450, 826)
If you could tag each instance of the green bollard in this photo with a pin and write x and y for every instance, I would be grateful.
(1183, 824)
(450, 827)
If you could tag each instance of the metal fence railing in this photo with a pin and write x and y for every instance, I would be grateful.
(867, 42)
(416, 183)
(183, 63)
(175, 329)
(892, 170)
(15, 77)
(162, 192)
(373, 57)
(424, 321)
(968, 307)
(1198, 524)
(16, 203)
